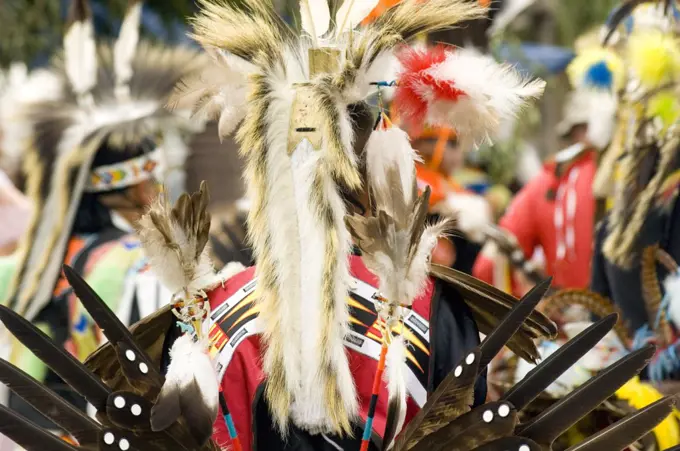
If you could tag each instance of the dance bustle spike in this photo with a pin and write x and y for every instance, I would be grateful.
(453, 398)
(628, 430)
(551, 423)
(510, 443)
(113, 328)
(79, 425)
(495, 341)
(55, 357)
(28, 435)
(484, 424)
(539, 378)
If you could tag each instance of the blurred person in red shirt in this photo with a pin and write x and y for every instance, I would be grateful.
(555, 211)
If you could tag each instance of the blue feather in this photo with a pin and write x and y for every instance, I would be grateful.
(599, 76)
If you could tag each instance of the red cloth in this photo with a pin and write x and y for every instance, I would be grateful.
(533, 218)
(244, 372)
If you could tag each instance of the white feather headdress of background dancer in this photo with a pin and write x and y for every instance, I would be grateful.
(106, 95)
(296, 135)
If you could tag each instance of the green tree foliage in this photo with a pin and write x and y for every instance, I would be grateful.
(30, 28)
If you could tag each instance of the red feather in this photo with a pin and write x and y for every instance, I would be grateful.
(417, 88)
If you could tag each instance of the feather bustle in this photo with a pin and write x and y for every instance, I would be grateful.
(591, 301)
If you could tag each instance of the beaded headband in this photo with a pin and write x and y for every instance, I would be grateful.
(127, 173)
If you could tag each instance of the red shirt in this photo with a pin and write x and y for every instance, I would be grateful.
(556, 212)
(244, 373)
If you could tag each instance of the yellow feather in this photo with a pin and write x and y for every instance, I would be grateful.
(664, 106)
(654, 58)
(640, 395)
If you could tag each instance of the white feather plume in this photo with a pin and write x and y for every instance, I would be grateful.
(672, 287)
(396, 382)
(602, 119)
(351, 13)
(472, 212)
(190, 391)
(219, 93)
(19, 90)
(493, 92)
(124, 49)
(385, 149)
(316, 17)
(80, 54)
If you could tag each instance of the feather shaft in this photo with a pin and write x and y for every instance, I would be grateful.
(351, 13)
(316, 18)
(557, 363)
(628, 430)
(125, 46)
(55, 357)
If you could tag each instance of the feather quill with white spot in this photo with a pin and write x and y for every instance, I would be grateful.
(80, 49)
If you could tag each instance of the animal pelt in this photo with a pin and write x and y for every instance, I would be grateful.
(174, 240)
(190, 391)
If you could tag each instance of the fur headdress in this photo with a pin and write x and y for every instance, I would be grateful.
(290, 94)
(111, 96)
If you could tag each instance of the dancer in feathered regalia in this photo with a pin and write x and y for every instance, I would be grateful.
(292, 354)
(643, 211)
(556, 209)
(94, 146)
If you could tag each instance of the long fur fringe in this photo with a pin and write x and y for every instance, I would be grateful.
(296, 221)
